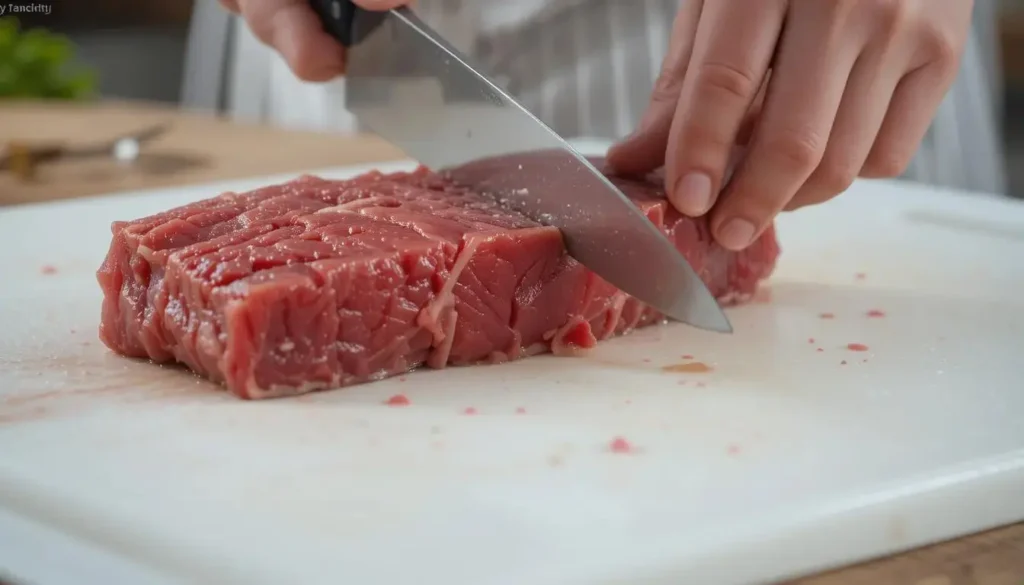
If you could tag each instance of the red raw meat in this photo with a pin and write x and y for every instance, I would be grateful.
(317, 284)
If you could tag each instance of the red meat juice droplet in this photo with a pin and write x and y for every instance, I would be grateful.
(48, 269)
(810, 340)
(820, 350)
(701, 385)
(875, 314)
(579, 336)
(842, 363)
(864, 361)
(470, 410)
(398, 400)
(620, 445)
(827, 315)
(647, 360)
(402, 378)
(860, 276)
(856, 347)
(733, 449)
(687, 357)
(520, 410)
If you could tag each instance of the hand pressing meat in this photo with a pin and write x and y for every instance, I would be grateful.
(854, 86)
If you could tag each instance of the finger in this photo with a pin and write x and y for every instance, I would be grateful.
(746, 130)
(230, 5)
(644, 150)
(294, 30)
(807, 84)
(914, 103)
(861, 112)
(734, 46)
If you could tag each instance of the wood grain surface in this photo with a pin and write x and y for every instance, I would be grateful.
(196, 149)
(201, 148)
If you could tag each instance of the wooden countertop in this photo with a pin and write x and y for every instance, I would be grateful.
(197, 148)
(200, 148)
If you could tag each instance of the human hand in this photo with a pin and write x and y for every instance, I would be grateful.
(294, 30)
(854, 86)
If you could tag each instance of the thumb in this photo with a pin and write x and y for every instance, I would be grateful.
(644, 150)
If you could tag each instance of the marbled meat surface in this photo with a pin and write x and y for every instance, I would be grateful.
(317, 284)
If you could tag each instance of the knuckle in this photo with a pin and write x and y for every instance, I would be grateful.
(796, 150)
(724, 79)
(670, 77)
(886, 163)
(666, 87)
(891, 20)
(892, 15)
(942, 48)
(835, 176)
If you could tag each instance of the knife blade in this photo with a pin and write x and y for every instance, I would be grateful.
(410, 86)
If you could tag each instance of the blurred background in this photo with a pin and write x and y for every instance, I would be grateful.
(189, 53)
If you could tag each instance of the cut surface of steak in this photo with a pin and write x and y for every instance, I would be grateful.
(317, 284)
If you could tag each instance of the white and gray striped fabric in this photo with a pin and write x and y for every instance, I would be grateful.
(586, 67)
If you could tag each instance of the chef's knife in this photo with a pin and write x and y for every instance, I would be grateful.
(407, 84)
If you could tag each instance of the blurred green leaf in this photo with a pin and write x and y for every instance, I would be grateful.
(81, 85)
(8, 34)
(38, 64)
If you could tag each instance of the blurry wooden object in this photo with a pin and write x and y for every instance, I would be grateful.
(990, 558)
(20, 161)
(197, 148)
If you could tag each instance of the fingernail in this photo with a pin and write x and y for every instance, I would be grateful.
(736, 234)
(692, 195)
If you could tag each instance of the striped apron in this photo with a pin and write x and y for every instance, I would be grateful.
(586, 68)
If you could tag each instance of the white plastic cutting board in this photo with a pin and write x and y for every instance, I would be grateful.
(781, 461)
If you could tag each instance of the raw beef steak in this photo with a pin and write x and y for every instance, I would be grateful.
(318, 284)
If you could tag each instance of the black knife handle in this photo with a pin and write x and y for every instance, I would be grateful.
(345, 21)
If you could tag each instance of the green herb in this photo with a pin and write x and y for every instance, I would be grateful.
(36, 64)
